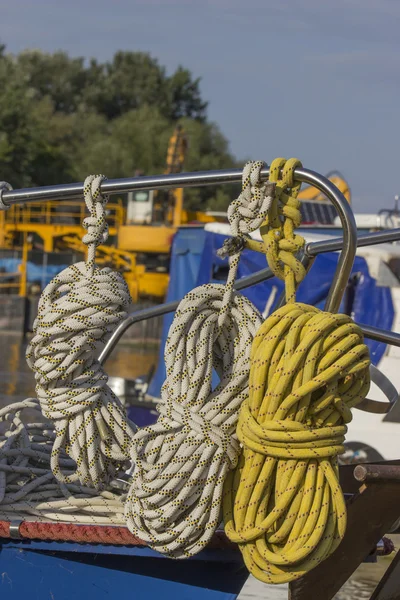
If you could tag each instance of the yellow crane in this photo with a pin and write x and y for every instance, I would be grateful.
(152, 220)
(310, 193)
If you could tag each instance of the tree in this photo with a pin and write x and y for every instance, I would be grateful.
(61, 118)
(131, 80)
(185, 97)
(21, 139)
(208, 150)
(55, 76)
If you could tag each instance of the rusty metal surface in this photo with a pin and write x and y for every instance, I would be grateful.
(347, 480)
(376, 472)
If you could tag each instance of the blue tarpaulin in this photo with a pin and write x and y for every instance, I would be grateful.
(186, 255)
(194, 262)
(40, 273)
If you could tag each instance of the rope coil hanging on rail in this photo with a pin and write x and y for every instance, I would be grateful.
(57, 468)
(181, 461)
(283, 504)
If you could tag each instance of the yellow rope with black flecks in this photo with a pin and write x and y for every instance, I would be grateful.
(283, 503)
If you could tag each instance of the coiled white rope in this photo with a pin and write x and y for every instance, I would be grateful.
(181, 461)
(78, 311)
(28, 489)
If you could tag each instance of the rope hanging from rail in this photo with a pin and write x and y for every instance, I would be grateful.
(283, 504)
(181, 462)
(77, 312)
(67, 464)
(294, 380)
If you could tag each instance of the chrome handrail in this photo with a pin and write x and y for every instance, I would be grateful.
(181, 180)
(312, 249)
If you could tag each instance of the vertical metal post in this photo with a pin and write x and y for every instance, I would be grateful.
(44, 268)
(178, 206)
(23, 266)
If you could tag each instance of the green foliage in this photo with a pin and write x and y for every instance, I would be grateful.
(61, 119)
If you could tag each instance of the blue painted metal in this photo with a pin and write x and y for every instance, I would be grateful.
(31, 570)
(142, 415)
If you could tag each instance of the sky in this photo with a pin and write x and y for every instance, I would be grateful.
(314, 79)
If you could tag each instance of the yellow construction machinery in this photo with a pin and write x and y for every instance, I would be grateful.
(310, 193)
(55, 226)
(153, 217)
(316, 209)
(142, 229)
(51, 222)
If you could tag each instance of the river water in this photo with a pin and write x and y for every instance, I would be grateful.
(17, 382)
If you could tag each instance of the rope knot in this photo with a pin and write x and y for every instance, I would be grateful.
(281, 243)
(285, 439)
(193, 421)
(232, 246)
(281, 255)
(95, 224)
(248, 211)
(284, 505)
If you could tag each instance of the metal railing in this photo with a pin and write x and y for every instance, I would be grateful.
(347, 244)
(73, 191)
(312, 249)
(52, 213)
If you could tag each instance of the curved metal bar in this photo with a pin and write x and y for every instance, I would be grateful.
(349, 249)
(367, 239)
(380, 335)
(131, 319)
(113, 186)
(387, 387)
(74, 191)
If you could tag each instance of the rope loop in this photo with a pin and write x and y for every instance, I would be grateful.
(281, 243)
(76, 315)
(78, 310)
(232, 246)
(248, 211)
(28, 487)
(95, 224)
(283, 503)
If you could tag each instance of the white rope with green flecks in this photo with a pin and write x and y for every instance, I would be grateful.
(181, 461)
(28, 488)
(73, 458)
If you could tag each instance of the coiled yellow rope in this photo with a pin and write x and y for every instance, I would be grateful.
(283, 504)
